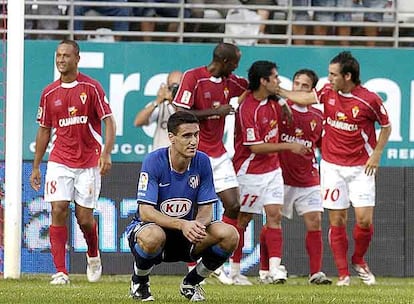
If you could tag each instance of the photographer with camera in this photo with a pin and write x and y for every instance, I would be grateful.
(160, 109)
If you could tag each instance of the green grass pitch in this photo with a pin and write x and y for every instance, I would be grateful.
(114, 289)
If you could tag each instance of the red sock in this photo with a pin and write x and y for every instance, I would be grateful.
(237, 254)
(274, 242)
(58, 238)
(264, 257)
(338, 241)
(362, 238)
(315, 249)
(91, 238)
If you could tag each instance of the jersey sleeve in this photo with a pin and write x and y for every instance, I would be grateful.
(207, 193)
(148, 182)
(43, 118)
(323, 94)
(185, 94)
(237, 85)
(101, 102)
(381, 115)
(248, 127)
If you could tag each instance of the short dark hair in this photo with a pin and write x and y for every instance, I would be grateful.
(348, 64)
(310, 73)
(72, 43)
(225, 50)
(179, 118)
(260, 69)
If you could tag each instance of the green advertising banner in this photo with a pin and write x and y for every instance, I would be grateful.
(132, 72)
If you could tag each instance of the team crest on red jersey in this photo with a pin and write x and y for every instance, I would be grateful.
(313, 124)
(226, 92)
(194, 181)
(72, 111)
(83, 97)
(355, 111)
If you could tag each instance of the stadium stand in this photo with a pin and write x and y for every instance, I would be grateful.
(205, 21)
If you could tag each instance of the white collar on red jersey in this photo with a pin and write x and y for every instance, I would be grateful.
(69, 85)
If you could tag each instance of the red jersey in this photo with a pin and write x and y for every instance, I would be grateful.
(349, 137)
(199, 90)
(306, 128)
(74, 111)
(256, 123)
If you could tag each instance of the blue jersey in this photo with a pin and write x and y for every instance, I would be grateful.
(176, 194)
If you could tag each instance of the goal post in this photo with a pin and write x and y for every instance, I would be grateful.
(14, 141)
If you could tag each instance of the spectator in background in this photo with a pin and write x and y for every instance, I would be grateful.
(50, 24)
(263, 13)
(372, 31)
(168, 12)
(159, 110)
(210, 13)
(330, 17)
(300, 16)
(116, 11)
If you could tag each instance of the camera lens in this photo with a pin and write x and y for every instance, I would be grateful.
(173, 88)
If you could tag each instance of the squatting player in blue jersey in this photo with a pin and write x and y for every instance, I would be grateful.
(174, 220)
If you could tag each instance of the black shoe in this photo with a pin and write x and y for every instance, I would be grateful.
(141, 291)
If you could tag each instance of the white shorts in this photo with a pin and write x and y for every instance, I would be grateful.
(303, 199)
(342, 186)
(68, 184)
(258, 190)
(223, 173)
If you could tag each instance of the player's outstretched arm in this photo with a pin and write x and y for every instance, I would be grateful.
(299, 97)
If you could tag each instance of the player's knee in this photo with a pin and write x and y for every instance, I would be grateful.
(231, 238)
(151, 239)
(228, 236)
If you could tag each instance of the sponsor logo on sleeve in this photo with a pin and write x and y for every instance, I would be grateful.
(143, 181)
(185, 99)
(250, 134)
(39, 112)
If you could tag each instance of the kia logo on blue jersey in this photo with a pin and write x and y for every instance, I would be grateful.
(176, 207)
